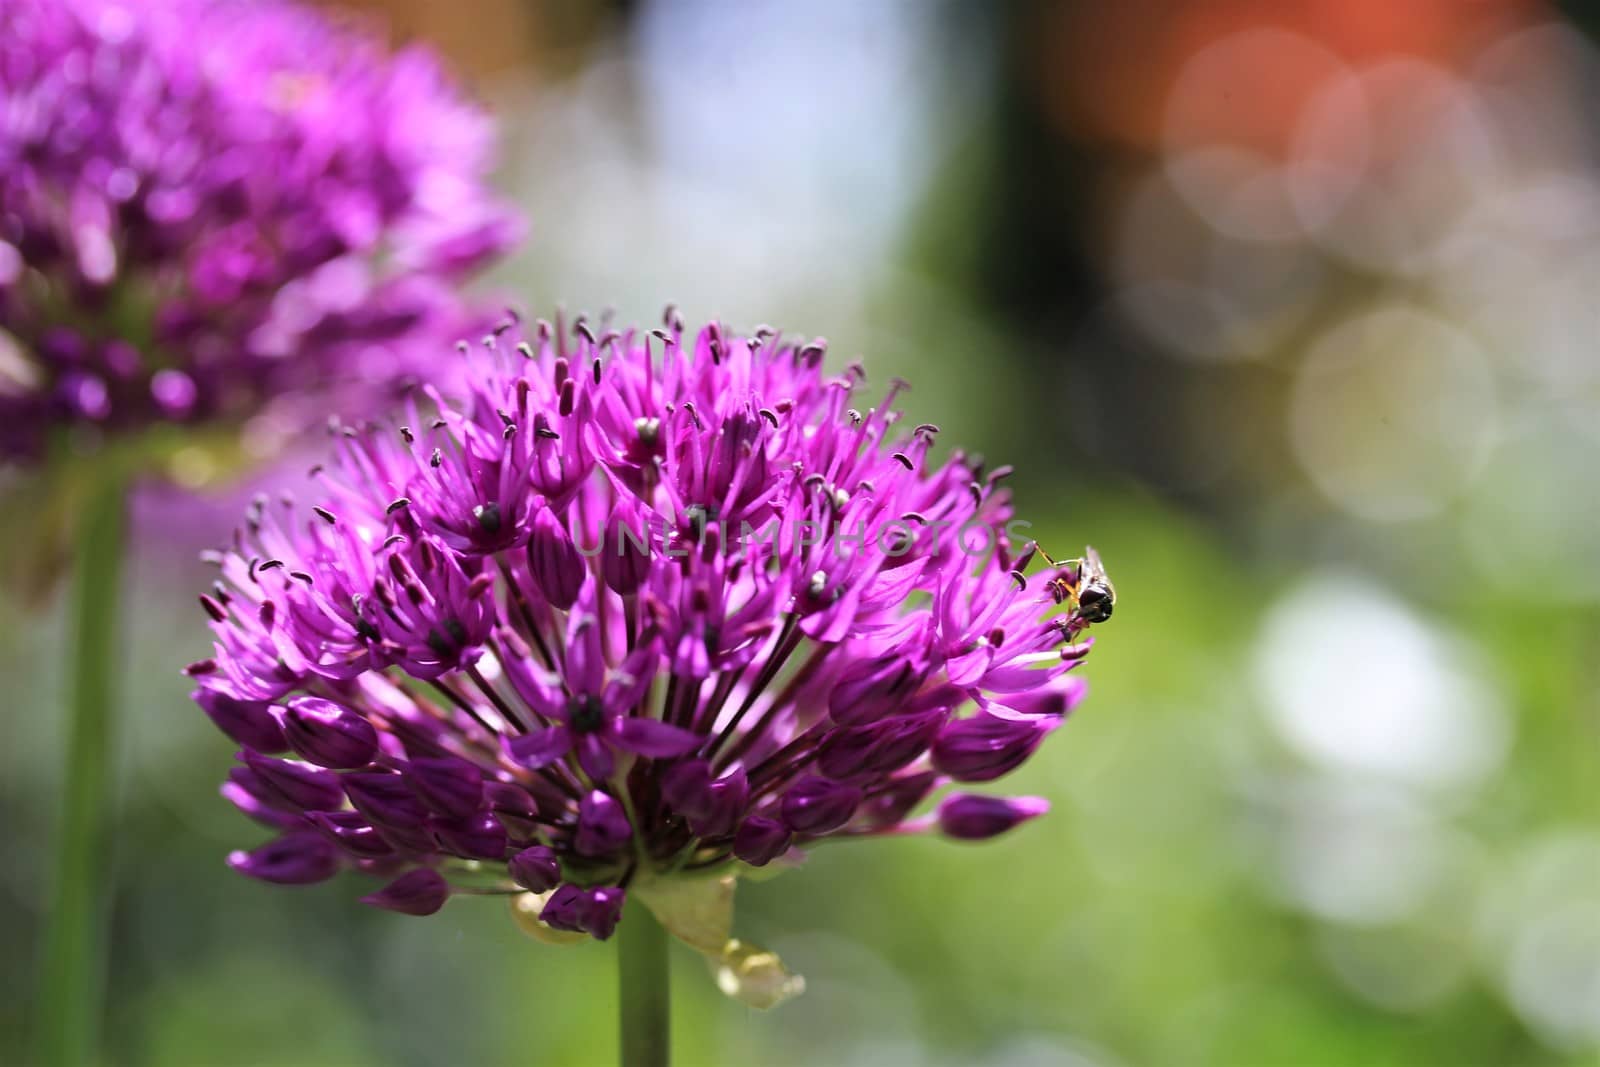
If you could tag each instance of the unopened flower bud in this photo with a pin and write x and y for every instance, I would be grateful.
(554, 561)
(351, 832)
(817, 805)
(296, 785)
(625, 552)
(249, 722)
(984, 747)
(328, 735)
(447, 785)
(761, 840)
(970, 817)
(419, 892)
(478, 836)
(871, 689)
(294, 859)
(602, 824)
(536, 869)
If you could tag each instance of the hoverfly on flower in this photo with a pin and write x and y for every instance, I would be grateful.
(1083, 584)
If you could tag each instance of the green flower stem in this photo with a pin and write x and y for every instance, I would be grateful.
(644, 988)
(70, 997)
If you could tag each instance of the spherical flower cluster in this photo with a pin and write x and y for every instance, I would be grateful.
(640, 606)
(205, 206)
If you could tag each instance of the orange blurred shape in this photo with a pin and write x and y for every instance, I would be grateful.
(479, 38)
(1106, 70)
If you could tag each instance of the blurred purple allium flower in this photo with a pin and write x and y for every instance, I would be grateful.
(210, 207)
(642, 607)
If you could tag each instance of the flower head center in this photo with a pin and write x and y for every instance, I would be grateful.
(587, 715)
(488, 516)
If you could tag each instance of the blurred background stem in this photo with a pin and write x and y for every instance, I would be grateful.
(74, 948)
(644, 989)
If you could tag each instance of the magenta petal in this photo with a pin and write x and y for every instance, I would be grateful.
(632, 680)
(1055, 700)
(968, 669)
(656, 739)
(539, 748)
(594, 756)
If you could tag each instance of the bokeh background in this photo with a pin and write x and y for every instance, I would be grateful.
(1288, 306)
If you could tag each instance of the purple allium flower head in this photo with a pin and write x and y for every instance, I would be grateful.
(640, 605)
(209, 209)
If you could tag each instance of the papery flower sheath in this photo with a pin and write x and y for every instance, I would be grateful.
(640, 612)
(211, 208)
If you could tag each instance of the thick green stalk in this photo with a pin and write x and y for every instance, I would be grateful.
(69, 1005)
(644, 987)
